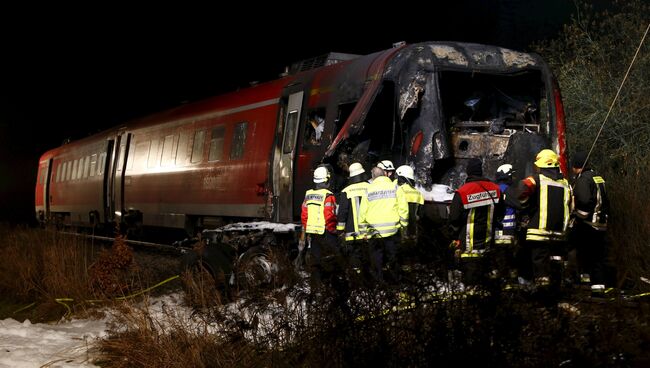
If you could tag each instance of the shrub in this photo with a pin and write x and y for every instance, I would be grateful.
(590, 58)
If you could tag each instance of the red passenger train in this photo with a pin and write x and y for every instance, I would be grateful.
(250, 154)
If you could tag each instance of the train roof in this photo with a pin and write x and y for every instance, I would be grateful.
(457, 55)
(476, 56)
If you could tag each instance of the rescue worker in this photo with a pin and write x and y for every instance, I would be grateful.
(389, 169)
(412, 196)
(349, 215)
(380, 214)
(350, 204)
(471, 217)
(319, 220)
(591, 214)
(505, 228)
(546, 196)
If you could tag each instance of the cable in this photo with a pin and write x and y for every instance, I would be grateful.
(611, 106)
(63, 301)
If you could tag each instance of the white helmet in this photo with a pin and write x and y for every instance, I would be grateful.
(405, 171)
(386, 165)
(356, 169)
(321, 175)
(505, 169)
(504, 172)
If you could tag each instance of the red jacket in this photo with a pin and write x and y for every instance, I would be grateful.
(472, 213)
(329, 213)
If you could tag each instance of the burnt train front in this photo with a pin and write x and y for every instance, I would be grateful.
(436, 105)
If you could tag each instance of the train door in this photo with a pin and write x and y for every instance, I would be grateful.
(108, 181)
(116, 155)
(46, 189)
(283, 171)
(121, 158)
(42, 198)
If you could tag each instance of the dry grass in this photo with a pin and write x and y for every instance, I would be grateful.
(345, 324)
(40, 266)
(629, 230)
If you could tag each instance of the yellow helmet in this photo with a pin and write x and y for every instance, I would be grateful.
(546, 158)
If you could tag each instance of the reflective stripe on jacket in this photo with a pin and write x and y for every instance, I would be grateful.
(349, 214)
(318, 211)
(414, 200)
(591, 202)
(550, 218)
(380, 208)
(472, 214)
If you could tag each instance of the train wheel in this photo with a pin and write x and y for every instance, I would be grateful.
(255, 269)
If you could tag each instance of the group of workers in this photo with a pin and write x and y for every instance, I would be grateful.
(373, 214)
(492, 223)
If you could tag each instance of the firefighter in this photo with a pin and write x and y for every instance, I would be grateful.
(546, 197)
(471, 218)
(350, 204)
(505, 228)
(380, 214)
(590, 222)
(319, 221)
(415, 200)
(349, 215)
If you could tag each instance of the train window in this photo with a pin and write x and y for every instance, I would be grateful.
(238, 141)
(68, 175)
(168, 151)
(80, 168)
(86, 166)
(290, 132)
(344, 112)
(197, 148)
(314, 126)
(64, 171)
(58, 172)
(154, 154)
(183, 147)
(102, 163)
(75, 168)
(93, 164)
(141, 155)
(216, 143)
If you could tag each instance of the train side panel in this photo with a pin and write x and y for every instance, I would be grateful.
(211, 167)
(76, 185)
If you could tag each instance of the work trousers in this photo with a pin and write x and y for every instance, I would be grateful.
(591, 251)
(323, 250)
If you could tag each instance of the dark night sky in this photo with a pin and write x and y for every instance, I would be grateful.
(68, 76)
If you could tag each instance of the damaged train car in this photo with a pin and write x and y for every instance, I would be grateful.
(249, 155)
(434, 106)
